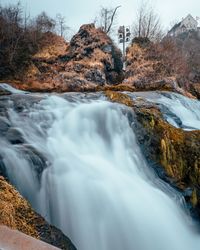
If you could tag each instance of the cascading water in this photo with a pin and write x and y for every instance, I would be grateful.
(179, 110)
(96, 185)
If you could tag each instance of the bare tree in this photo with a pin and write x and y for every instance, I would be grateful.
(20, 38)
(106, 18)
(147, 23)
(11, 17)
(61, 25)
(45, 23)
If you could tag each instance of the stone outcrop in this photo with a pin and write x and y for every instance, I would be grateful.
(175, 150)
(156, 67)
(16, 213)
(91, 62)
(90, 59)
(142, 72)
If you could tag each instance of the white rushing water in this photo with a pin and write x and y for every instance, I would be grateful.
(97, 186)
(185, 109)
(10, 89)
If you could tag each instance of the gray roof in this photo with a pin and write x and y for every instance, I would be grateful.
(179, 24)
(175, 27)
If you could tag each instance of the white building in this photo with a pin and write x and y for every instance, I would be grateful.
(188, 23)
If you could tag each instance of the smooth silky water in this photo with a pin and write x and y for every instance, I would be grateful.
(96, 186)
(176, 107)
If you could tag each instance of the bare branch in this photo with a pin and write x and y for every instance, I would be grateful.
(106, 19)
(147, 23)
(112, 18)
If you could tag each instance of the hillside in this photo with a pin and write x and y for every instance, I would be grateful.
(89, 60)
(163, 66)
(189, 44)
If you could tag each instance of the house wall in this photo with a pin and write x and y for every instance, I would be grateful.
(190, 23)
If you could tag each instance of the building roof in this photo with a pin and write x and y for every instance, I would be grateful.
(179, 24)
(175, 27)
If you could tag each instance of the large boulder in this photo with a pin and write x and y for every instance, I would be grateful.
(93, 47)
(91, 59)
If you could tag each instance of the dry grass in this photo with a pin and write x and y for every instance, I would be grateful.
(15, 211)
(51, 46)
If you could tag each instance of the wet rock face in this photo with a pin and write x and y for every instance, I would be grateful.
(37, 160)
(14, 136)
(3, 171)
(175, 150)
(10, 134)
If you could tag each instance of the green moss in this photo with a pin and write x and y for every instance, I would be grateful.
(119, 97)
(176, 150)
(118, 87)
(194, 198)
(152, 122)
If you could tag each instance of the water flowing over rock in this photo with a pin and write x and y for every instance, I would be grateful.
(159, 117)
(97, 186)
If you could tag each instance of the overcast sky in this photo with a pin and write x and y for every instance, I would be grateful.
(78, 12)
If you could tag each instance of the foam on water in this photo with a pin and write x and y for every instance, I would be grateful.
(184, 108)
(97, 186)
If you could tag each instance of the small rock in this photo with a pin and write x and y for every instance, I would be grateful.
(14, 136)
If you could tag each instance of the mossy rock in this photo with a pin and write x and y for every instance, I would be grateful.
(176, 150)
(119, 97)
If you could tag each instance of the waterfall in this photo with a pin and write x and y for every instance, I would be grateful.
(87, 175)
(179, 110)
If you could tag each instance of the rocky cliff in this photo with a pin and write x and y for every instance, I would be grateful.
(90, 59)
(175, 150)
